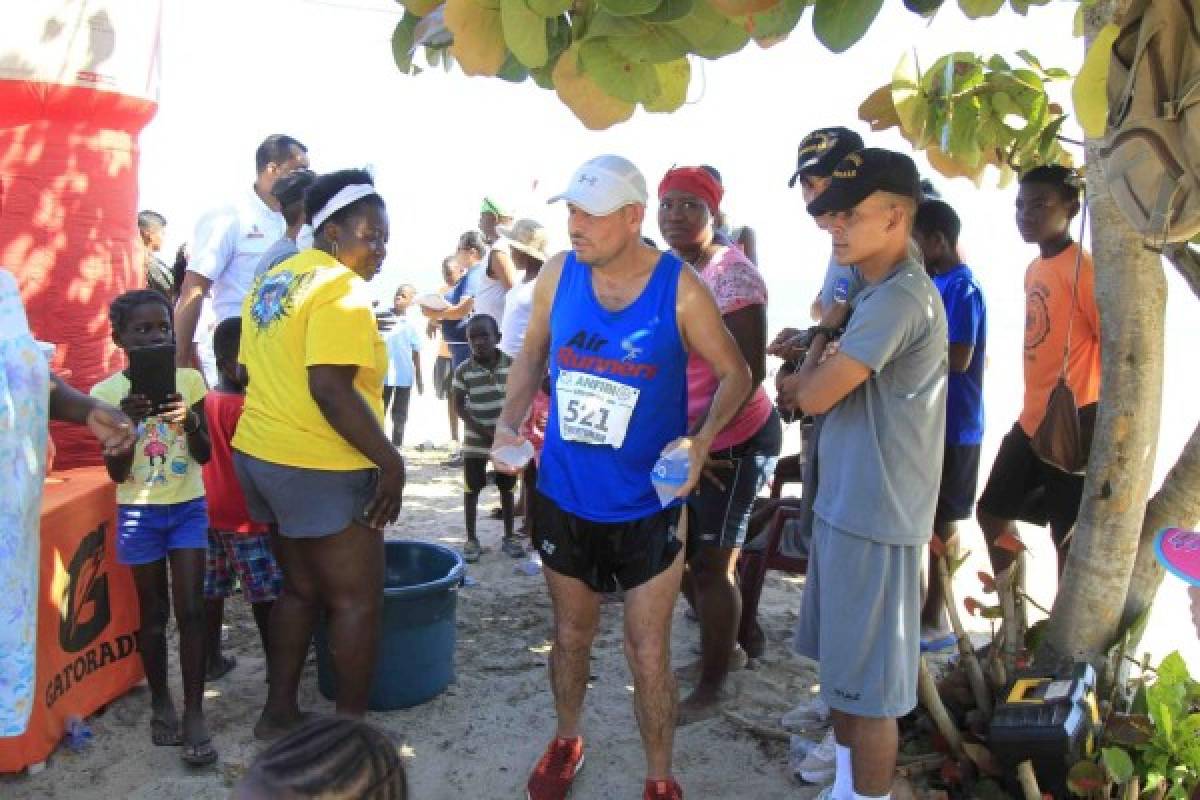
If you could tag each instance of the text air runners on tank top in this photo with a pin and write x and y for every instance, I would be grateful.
(619, 395)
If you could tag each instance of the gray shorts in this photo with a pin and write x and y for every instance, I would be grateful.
(860, 619)
(304, 503)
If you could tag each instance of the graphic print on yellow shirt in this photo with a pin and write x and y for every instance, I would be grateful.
(307, 311)
(163, 470)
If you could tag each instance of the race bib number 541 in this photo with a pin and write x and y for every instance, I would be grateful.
(593, 410)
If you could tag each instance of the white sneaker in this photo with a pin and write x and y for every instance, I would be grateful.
(812, 713)
(820, 765)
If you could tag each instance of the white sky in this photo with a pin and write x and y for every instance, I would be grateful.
(322, 70)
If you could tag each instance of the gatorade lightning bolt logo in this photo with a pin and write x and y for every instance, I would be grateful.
(86, 610)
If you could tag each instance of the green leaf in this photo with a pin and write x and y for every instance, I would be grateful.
(1022, 6)
(998, 64)
(710, 33)
(525, 34)
(544, 76)
(670, 11)
(1118, 763)
(403, 38)
(631, 81)
(1030, 59)
(1090, 91)
(779, 20)
(1086, 777)
(992, 612)
(604, 25)
(1173, 671)
(907, 95)
(626, 8)
(1058, 73)
(673, 79)
(513, 70)
(657, 44)
(549, 8)
(977, 9)
(839, 24)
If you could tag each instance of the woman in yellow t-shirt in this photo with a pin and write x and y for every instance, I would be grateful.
(310, 449)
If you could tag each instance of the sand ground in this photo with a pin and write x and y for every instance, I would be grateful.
(479, 738)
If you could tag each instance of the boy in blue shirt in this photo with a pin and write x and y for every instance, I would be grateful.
(935, 230)
(404, 363)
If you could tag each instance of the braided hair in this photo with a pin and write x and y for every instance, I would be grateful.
(124, 304)
(332, 757)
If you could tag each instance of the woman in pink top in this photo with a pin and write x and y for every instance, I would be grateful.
(744, 453)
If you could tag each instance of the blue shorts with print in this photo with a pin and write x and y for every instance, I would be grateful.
(146, 534)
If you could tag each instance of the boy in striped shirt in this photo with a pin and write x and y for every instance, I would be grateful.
(478, 389)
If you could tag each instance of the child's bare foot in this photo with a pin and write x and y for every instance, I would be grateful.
(198, 749)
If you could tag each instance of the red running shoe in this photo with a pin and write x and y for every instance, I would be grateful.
(663, 790)
(552, 777)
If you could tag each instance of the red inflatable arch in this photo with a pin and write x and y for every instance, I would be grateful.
(78, 82)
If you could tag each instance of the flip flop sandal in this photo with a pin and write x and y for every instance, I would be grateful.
(471, 552)
(162, 734)
(199, 754)
(222, 669)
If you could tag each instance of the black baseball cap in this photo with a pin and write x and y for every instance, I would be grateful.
(290, 189)
(861, 174)
(822, 150)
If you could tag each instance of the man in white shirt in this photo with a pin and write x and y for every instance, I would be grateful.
(230, 241)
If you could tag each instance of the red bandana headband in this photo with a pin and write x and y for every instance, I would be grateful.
(695, 181)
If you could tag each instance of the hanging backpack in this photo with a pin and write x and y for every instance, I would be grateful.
(1151, 153)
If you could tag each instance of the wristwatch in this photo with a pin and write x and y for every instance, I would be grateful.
(830, 333)
(191, 415)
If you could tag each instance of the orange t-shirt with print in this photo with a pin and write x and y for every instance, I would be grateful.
(1048, 306)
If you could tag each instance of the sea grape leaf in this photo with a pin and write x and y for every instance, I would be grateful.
(479, 46)
(525, 33)
(839, 24)
(673, 79)
(595, 108)
(977, 9)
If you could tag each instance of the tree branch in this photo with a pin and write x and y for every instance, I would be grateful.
(1187, 262)
(1175, 504)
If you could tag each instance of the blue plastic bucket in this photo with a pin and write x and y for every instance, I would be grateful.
(417, 633)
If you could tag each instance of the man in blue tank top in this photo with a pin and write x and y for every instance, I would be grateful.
(613, 321)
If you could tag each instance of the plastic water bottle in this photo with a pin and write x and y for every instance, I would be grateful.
(532, 566)
(77, 735)
(669, 473)
(798, 750)
(515, 456)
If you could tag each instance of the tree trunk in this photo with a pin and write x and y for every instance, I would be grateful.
(1131, 296)
(1176, 504)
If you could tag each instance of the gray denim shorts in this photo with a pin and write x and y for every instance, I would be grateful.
(860, 619)
(304, 503)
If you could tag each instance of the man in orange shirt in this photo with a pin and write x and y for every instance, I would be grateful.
(1021, 485)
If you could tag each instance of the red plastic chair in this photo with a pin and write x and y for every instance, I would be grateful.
(752, 571)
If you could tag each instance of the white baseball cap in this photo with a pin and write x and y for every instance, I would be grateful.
(605, 184)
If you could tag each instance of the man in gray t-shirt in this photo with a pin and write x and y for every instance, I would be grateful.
(874, 443)
(882, 388)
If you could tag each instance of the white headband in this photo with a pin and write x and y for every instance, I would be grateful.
(345, 196)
